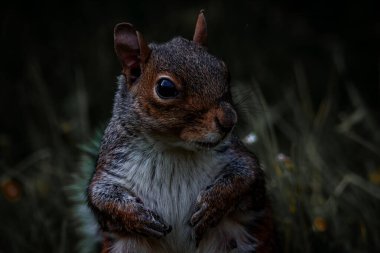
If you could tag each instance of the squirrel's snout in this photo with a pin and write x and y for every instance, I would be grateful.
(212, 127)
(226, 117)
(224, 127)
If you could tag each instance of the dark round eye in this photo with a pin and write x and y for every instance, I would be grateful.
(166, 88)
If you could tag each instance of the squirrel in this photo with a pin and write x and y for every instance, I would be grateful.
(171, 176)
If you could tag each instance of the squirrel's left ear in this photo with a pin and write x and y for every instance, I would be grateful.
(200, 34)
(132, 50)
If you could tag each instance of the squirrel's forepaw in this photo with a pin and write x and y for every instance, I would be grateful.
(151, 224)
(147, 222)
(209, 210)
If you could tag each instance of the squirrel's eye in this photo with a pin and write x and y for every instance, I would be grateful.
(166, 88)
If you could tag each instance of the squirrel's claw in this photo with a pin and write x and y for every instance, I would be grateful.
(198, 213)
(207, 213)
(156, 233)
(151, 224)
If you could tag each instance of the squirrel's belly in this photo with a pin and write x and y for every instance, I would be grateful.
(170, 188)
(175, 205)
(174, 200)
(171, 192)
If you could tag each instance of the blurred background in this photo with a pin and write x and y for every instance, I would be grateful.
(305, 78)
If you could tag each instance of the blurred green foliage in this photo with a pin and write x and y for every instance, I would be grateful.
(305, 77)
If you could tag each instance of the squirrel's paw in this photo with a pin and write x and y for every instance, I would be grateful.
(135, 218)
(209, 210)
(139, 219)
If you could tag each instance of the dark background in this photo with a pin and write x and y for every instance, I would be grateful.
(305, 73)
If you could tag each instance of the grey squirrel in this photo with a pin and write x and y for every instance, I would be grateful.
(170, 176)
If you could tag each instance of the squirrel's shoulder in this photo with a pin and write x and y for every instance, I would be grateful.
(239, 153)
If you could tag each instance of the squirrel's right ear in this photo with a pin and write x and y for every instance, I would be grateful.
(132, 50)
(200, 33)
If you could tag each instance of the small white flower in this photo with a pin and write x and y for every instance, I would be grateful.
(282, 157)
(250, 138)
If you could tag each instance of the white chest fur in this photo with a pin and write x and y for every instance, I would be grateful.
(169, 184)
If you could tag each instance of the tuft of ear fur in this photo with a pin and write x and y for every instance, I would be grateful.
(200, 33)
(131, 49)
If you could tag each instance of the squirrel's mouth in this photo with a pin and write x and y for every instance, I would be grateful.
(207, 144)
(212, 144)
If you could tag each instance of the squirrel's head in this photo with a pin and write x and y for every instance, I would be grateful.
(178, 91)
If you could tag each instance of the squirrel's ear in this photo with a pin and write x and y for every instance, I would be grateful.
(200, 34)
(131, 49)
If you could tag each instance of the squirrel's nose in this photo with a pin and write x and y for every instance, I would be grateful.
(226, 117)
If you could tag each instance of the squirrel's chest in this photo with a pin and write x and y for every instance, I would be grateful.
(170, 184)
